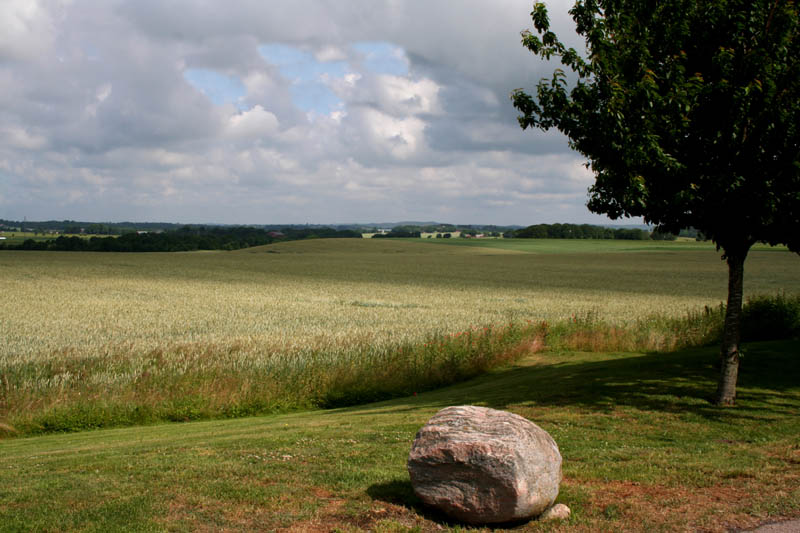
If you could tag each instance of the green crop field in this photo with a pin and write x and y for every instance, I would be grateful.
(115, 339)
(560, 246)
(18, 237)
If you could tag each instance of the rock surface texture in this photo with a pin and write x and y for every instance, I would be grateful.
(557, 512)
(482, 466)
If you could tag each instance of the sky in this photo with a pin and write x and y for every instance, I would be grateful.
(273, 111)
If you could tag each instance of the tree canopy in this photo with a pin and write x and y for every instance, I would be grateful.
(688, 113)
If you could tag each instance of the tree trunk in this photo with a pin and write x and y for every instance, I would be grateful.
(729, 356)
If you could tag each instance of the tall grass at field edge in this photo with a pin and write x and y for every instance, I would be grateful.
(763, 318)
(655, 333)
(201, 381)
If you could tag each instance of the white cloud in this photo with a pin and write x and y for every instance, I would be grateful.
(101, 95)
(254, 123)
(330, 53)
(17, 137)
(103, 92)
(396, 95)
(401, 138)
(409, 97)
(26, 29)
(275, 160)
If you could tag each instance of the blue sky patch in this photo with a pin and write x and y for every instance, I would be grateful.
(306, 73)
(315, 97)
(382, 57)
(220, 89)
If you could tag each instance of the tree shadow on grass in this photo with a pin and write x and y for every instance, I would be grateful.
(680, 382)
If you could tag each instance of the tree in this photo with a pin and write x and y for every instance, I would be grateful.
(661, 236)
(689, 115)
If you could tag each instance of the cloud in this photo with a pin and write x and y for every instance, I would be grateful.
(26, 29)
(220, 89)
(396, 95)
(17, 137)
(383, 58)
(255, 112)
(255, 123)
(399, 137)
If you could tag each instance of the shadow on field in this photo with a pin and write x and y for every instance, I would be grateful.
(680, 382)
(597, 383)
(400, 492)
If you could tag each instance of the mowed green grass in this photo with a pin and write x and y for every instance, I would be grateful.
(643, 451)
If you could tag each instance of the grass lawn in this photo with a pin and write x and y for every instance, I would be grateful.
(642, 448)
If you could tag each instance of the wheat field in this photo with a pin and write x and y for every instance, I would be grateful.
(77, 324)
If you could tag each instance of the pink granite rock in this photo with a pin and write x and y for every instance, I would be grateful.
(557, 512)
(483, 466)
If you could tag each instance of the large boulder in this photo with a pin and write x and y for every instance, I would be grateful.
(482, 466)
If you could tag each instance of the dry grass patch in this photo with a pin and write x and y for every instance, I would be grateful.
(738, 504)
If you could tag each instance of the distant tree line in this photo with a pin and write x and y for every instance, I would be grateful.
(693, 233)
(399, 230)
(90, 228)
(187, 238)
(121, 228)
(398, 233)
(585, 231)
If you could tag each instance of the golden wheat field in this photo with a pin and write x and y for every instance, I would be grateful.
(112, 325)
(332, 292)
